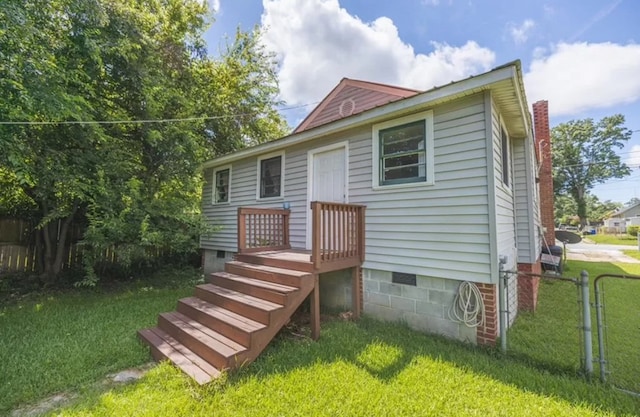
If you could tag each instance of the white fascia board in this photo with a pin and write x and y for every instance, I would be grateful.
(436, 95)
(522, 101)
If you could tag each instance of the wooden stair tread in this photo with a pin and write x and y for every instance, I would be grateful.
(193, 357)
(271, 269)
(224, 346)
(232, 318)
(284, 289)
(190, 363)
(240, 297)
(235, 319)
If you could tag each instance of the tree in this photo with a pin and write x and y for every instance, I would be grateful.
(600, 210)
(632, 202)
(584, 156)
(135, 184)
(566, 209)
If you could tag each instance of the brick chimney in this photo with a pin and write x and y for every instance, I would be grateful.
(543, 150)
(528, 284)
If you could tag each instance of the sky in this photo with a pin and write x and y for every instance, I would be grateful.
(583, 56)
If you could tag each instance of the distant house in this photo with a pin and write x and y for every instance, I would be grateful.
(383, 198)
(623, 218)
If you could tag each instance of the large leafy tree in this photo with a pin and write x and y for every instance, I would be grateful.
(566, 210)
(138, 106)
(632, 202)
(584, 156)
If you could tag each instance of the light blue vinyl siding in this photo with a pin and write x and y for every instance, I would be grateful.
(441, 230)
(527, 206)
(504, 200)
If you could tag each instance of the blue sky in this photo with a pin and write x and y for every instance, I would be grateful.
(581, 55)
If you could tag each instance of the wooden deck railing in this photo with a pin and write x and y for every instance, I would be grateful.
(337, 234)
(262, 229)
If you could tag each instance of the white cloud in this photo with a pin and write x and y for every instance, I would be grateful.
(431, 2)
(520, 33)
(581, 76)
(317, 43)
(214, 5)
(633, 160)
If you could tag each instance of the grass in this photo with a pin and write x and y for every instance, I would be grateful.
(551, 338)
(62, 341)
(632, 253)
(362, 369)
(355, 369)
(622, 239)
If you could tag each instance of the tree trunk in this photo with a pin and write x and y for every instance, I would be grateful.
(39, 251)
(55, 241)
(581, 202)
(50, 238)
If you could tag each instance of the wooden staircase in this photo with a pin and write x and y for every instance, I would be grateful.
(230, 320)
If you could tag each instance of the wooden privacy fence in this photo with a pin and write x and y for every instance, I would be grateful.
(21, 232)
(17, 258)
(14, 230)
(337, 234)
(262, 229)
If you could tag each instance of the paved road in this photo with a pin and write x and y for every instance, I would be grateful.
(595, 252)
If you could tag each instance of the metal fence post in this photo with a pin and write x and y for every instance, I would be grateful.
(600, 324)
(586, 320)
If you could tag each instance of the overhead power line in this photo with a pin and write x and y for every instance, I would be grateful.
(142, 121)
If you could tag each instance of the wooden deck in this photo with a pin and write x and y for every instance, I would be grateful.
(299, 259)
(232, 318)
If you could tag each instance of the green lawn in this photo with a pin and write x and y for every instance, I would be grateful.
(551, 338)
(63, 341)
(366, 369)
(622, 239)
(355, 369)
(632, 252)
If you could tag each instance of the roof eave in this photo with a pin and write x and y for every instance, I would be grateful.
(428, 98)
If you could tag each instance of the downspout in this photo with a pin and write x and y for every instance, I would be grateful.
(502, 302)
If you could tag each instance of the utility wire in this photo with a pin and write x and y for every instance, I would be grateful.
(587, 164)
(113, 122)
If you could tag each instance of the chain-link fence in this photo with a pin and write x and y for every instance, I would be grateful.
(552, 335)
(617, 309)
(576, 325)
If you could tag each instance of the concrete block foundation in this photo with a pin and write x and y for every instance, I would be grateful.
(423, 307)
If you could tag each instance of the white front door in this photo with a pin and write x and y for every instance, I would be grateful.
(328, 182)
(327, 178)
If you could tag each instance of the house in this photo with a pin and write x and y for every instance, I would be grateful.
(623, 218)
(388, 199)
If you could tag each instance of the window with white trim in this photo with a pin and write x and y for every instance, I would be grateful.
(270, 176)
(221, 185)
(403, 151)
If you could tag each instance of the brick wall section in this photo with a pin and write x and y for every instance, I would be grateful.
(528, 286)
(543, 145)
(488, 333)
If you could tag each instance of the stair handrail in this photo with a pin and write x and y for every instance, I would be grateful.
(262, 229)
(337, 233)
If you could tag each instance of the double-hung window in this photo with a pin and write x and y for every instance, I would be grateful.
(402, 154)
(270, 176)
(403, 151)
(221, 185)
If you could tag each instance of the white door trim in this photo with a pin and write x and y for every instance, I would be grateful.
(310, 154)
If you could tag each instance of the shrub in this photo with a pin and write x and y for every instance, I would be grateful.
(633, 230)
